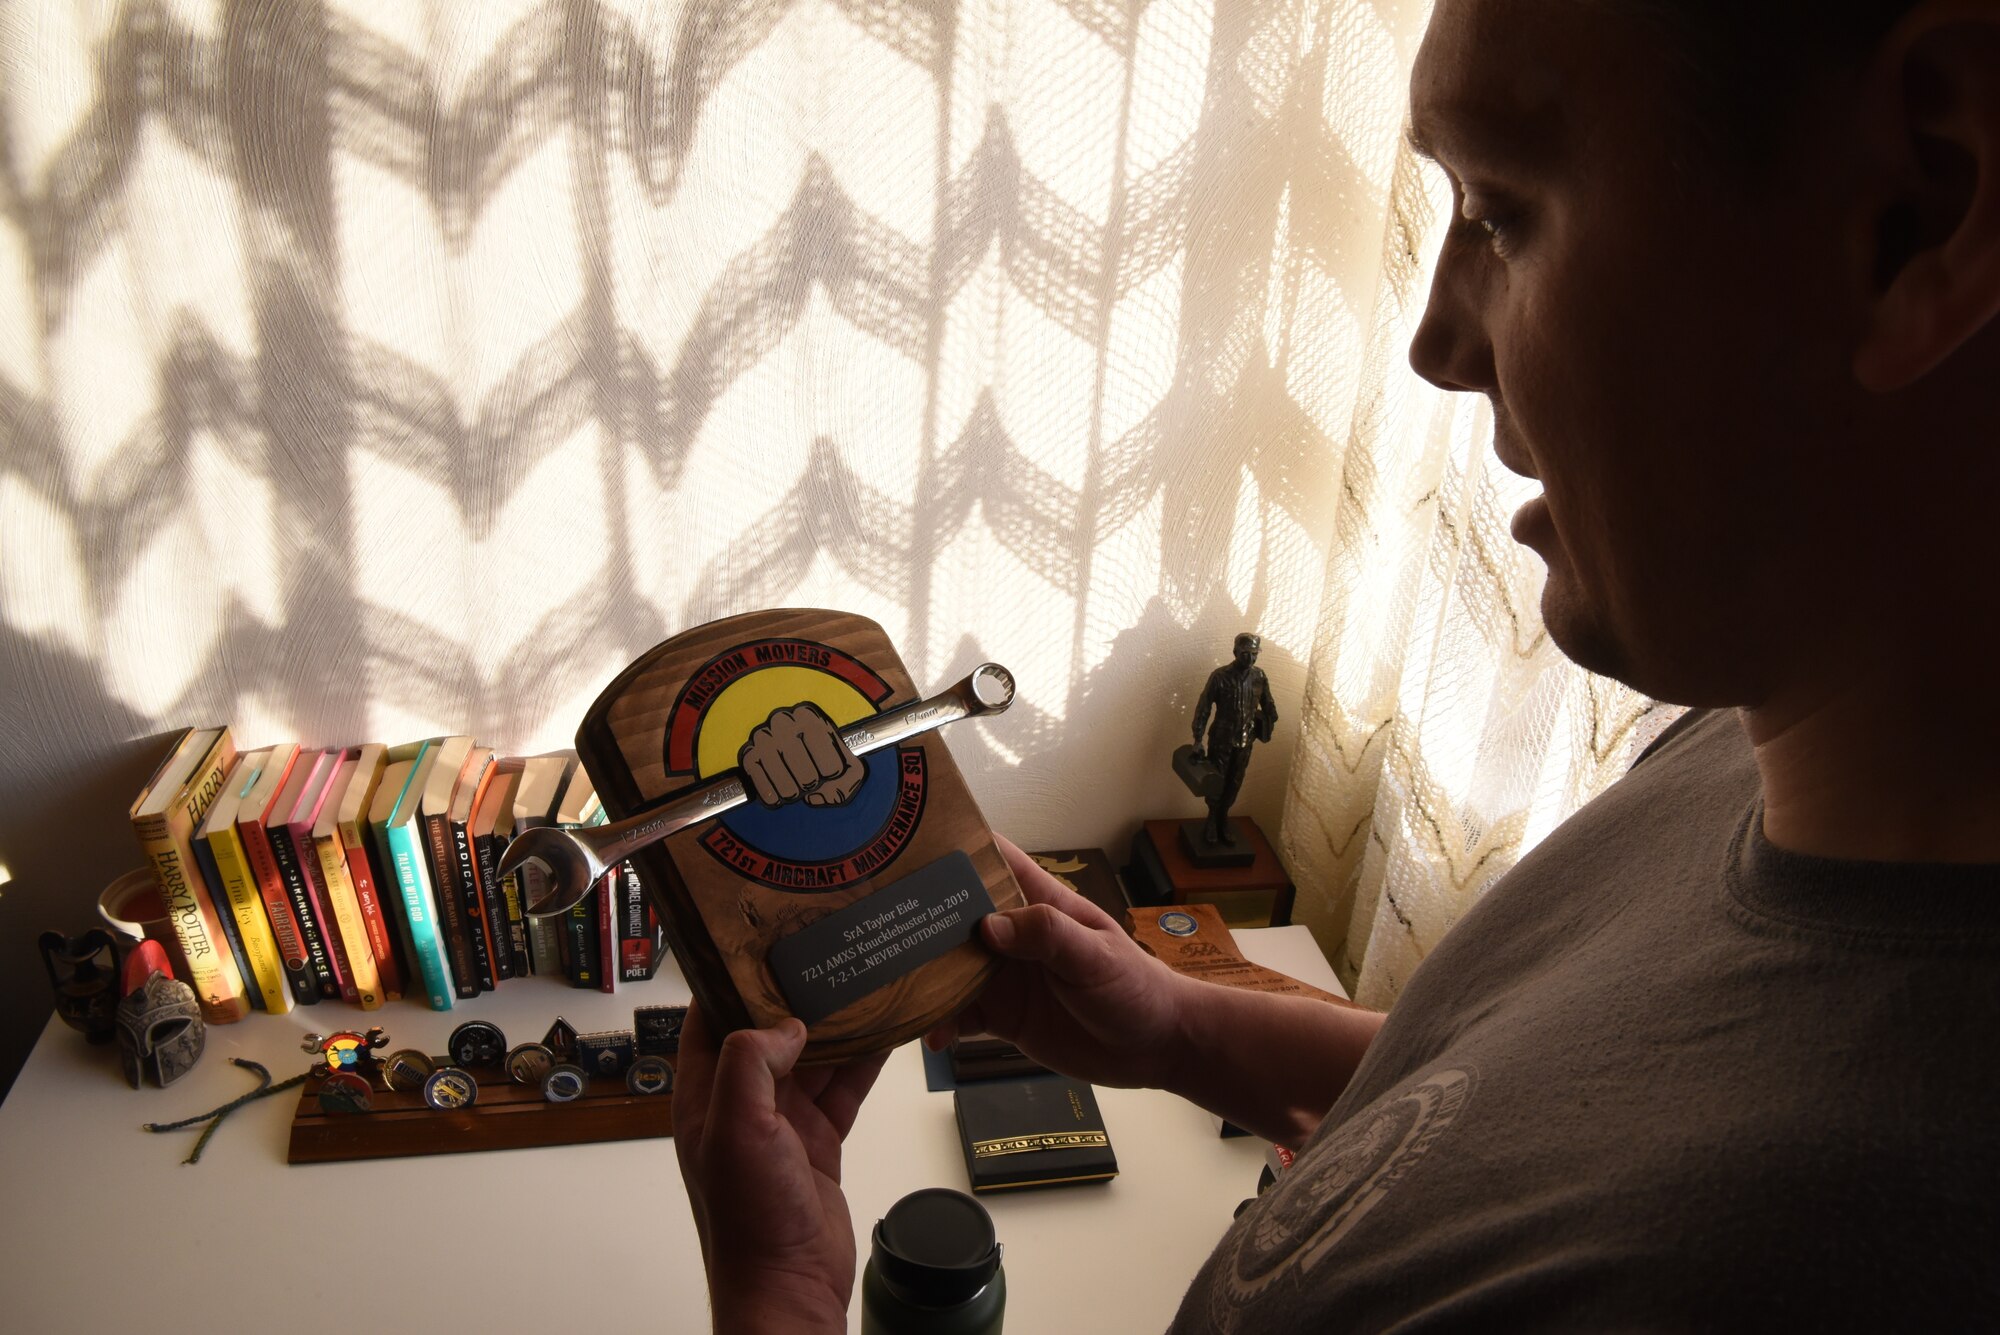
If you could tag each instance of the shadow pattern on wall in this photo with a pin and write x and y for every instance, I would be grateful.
(370, 371)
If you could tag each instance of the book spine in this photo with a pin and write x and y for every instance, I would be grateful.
(211, 876)
(321, 895)
(292, 953)
(517, 922)
(402, 942)
(361, 971)
(582, 937)
(294, 877)
(493, 896)
(478, 935)
(657, 931)
(610, 902)
(406, 857)
(635, 939)
(167, 839)
(239, 887)
(545, 947)
(374, 919)
(450, 903)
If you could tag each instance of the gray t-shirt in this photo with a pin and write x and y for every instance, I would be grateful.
(1664, 1076)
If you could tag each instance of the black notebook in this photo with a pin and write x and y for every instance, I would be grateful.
(1041, 1132)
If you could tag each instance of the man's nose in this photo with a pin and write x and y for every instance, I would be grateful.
(1450, 348)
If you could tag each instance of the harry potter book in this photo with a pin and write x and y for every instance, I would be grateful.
(165, 816)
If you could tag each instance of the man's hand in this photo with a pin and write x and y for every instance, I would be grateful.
(796, 753)
(1073, 991)
(759, 1145)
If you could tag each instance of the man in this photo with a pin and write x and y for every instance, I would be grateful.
(1239, 698)
(1719, 1053)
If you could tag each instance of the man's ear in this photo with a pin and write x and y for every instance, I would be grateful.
(1934, 93)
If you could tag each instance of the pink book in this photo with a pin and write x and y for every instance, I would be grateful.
(299, 825)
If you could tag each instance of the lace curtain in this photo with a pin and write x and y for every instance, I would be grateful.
(376, 368)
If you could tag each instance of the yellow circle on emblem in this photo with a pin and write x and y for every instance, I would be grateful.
(746, 703)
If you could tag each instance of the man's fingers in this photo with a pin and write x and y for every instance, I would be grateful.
(744, 1096)
(1041, 887)
(1044, 934)
(694, 1077)
(841, 1100)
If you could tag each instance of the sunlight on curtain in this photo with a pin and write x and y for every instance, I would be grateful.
(370, 370)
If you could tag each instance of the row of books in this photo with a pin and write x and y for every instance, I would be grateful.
(294, 875)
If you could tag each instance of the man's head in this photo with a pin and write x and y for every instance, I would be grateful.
(1246, 649)
(1746, 342)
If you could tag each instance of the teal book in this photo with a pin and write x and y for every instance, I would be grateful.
(394, 814)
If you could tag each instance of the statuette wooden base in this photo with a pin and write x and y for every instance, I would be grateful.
(1257, 893)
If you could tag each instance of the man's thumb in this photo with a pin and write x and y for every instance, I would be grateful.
(1045, 935)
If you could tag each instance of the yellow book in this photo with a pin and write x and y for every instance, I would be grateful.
(165, 816)
(218, 830)
(332, 856)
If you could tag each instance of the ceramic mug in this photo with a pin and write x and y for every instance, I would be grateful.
(134, 907)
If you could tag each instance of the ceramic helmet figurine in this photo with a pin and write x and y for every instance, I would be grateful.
(160, 1030)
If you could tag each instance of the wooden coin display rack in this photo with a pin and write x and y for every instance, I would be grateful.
(506, 1116)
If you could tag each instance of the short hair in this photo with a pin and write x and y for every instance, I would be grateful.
(1747, 59)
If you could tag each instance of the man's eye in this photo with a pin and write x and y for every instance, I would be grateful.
(1500, 230)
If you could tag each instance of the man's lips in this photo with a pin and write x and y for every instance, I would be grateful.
(1531, 521)
(1508, 451)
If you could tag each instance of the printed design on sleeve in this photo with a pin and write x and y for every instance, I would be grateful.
(1327, 1194)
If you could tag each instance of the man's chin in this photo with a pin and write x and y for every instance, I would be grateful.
(1583, 636)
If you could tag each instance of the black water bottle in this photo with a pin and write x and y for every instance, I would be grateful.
(934, 1269)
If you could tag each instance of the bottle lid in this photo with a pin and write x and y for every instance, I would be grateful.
(936, 1247)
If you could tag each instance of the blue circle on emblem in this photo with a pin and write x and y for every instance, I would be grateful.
(1179, 924)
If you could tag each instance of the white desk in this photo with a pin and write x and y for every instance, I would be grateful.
(577, 1236)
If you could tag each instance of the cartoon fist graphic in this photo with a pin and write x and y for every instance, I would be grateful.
(796, 753)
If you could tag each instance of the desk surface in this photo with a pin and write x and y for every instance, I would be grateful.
(576, 1236)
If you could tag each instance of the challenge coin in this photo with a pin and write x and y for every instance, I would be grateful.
(345, 1092)
(649, 1075)
(406, 1069)
(477, 1043)
(565, 1083)
(449, 1088)
(529, 1063)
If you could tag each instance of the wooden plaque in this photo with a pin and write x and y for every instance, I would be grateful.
(731, 888)
(1194, 940)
